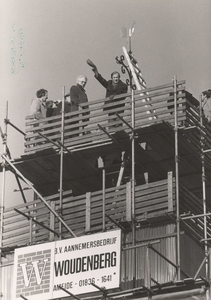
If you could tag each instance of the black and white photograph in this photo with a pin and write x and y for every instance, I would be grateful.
(105, 149)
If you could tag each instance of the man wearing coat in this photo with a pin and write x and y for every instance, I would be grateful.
(78, 96)
(113, 87)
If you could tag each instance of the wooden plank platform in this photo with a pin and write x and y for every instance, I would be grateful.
(154, 144)
(154, 203)
(79, 174)
(83, 213)
(154, 154)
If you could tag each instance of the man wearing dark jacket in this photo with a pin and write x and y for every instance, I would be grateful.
(113, 87)
(78, 96)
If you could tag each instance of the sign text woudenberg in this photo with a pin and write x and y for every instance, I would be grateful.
(73, 264)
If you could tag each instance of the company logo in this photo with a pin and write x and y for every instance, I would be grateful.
(34, 272)
(29, 268)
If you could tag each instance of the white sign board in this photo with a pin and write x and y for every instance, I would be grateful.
(73, 264)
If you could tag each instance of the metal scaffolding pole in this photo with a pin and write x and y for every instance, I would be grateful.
(138, 85)
(61, 162)
(133, 156)
(204, 190)
(177, 175)
(15, 127)
(103, 198)
(133, 190)
(4, 138)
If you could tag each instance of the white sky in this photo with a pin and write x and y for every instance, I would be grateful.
(45, 44)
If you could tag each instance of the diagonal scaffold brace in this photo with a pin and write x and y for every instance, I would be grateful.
(37, 222)
(38, 194)
(168, 260)
(108, 134)
(7, 121)
(116, 223)
(57, 144)
(23, 297)
(123, 120)
(103, 290)
(69, 293)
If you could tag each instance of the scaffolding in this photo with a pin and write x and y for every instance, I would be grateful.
(131, 224)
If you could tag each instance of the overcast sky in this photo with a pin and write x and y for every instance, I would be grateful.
(45, 44)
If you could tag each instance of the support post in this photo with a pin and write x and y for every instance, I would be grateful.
(170, 191)
(128, 201)
(4, 138)
(121, 171)
(209, 278)
(148, 268)
(88, 212)
(52, 221)
(177, 175)
(103, 199)
(133, 189)
(61, 163)
(204, 189)
(137, 83)
(30, 230)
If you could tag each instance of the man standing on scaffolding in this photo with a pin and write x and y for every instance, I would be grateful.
(78, 96)
(113, 87)
(207, 105)
(38, 104)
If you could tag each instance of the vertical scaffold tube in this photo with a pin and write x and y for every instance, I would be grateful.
(204, 190)
(4, 138)
(177, 175)
(61, 161)
(103, 199)
(133, 190)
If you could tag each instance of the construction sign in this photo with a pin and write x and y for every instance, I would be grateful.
(47, 270)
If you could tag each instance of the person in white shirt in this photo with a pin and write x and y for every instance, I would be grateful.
(38, 105)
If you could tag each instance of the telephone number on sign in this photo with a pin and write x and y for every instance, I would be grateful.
(85, 282)
(88, 281)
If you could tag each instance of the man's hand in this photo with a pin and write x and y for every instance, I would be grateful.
(91, 64)
(95, 70)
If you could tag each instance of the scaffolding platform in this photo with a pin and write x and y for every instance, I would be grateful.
(154, 154)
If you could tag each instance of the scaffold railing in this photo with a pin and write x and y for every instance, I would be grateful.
(80, 129)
